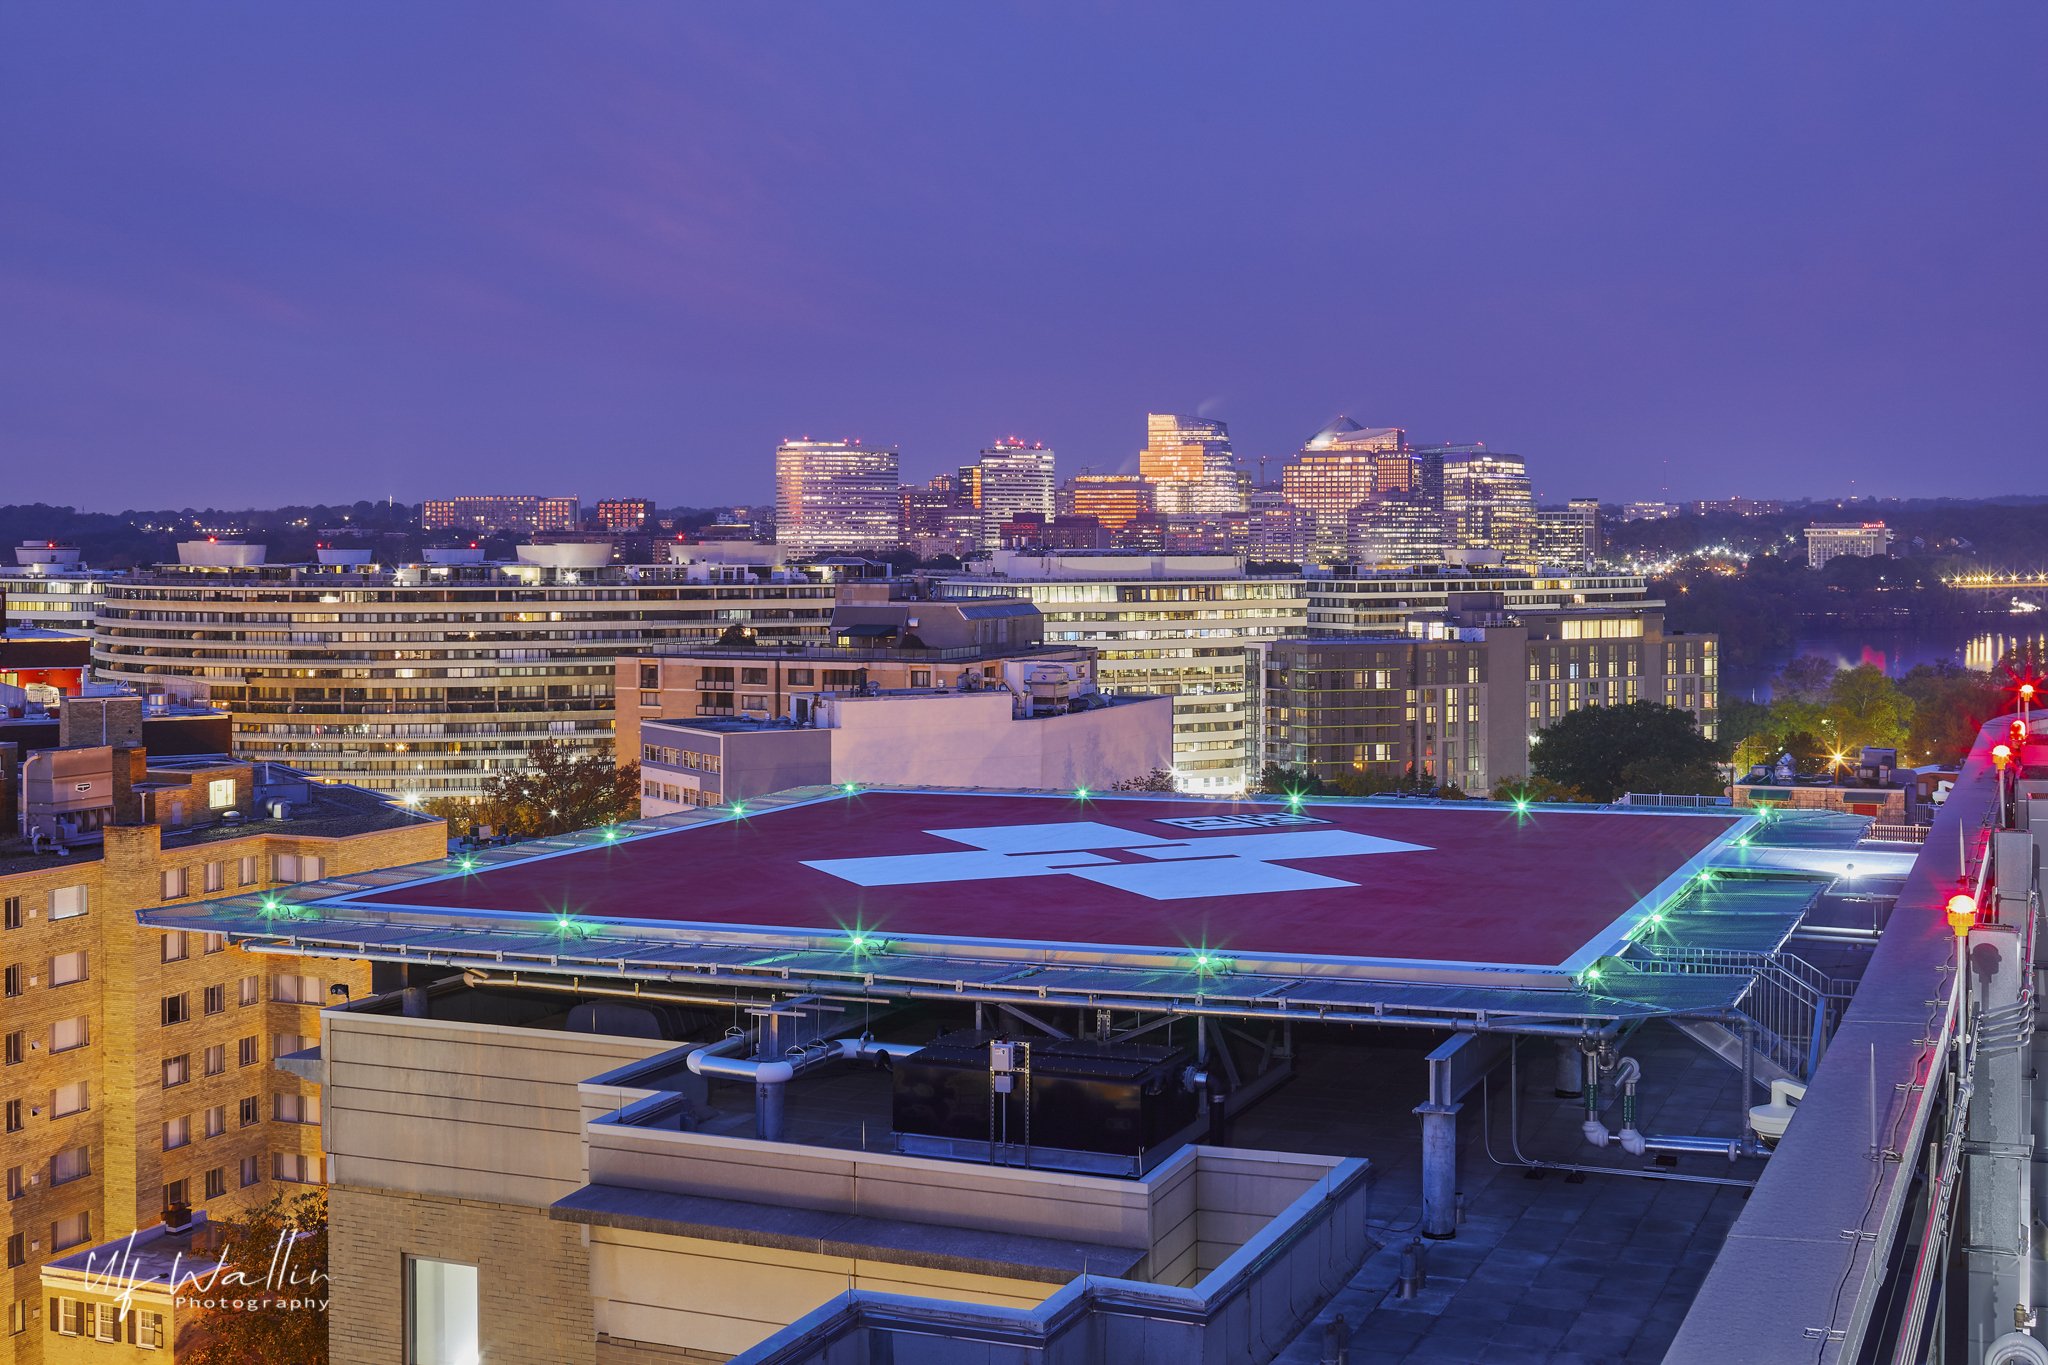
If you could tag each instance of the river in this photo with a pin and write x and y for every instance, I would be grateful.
(1895, 651)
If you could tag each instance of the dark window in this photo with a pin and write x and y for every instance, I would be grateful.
(252, 1111)
(177, 1009)
(12, 916)
(216, 999)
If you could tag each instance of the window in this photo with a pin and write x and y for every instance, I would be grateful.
(14, 981)
(177, 1070)
(802, 677)
(174, 946)
(245, 871)
(440, 1312)
(17, 1316)
(14, 1124)
(149, 1330)
(174, 1193)
(215, 999)
(70, 1317)
(108, 1326)
(173, 883)
(251, 990)
(216, 1059)
(298, 1108)
(216, 1120)
(69, 1232)
(294, 1167)
(245, 1052)
(216, 1182)
(67, 969)
(220, 793)
(177, 1009)
(177, 1132)
(17, 1249)
(17, 1184)
(214, 943)
(252, 1112)
(66, 1034)
(252, 1171)
(216, 876)
(10, 912)
(297, 990)
(72, 1165)
(70, 1099)
(295, 867)
(67, 901)
(920, 677)
(15, 1047)
(285, 1044)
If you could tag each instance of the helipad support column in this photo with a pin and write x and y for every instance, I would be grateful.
(1439, 1169)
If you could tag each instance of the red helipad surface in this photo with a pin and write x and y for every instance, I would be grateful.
(1441, 884)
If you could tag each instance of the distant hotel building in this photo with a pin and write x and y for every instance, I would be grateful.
(625, 514)
(428, 679)
(1648, 511)
(494, 512)
(1855, 539)
(1188, 460)
(1192, 627)
(836, 497)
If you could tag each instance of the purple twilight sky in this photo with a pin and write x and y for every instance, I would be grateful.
(261, 253)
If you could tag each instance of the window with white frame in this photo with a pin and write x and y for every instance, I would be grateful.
(67, 901)
(66, 1034)
(220, 793)
(440, 1312)
(74, 1098)
(67, 969)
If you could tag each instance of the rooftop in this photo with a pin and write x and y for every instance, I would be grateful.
(151, 1256)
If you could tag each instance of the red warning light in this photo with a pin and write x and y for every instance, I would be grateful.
(2001, 755)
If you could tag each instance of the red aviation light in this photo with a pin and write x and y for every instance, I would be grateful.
(2001, 755)
(1962, 913)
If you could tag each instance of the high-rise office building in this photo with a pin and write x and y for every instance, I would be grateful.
(1487, 502)
(1112, 499)
(934, 521)
(1401, 530)
(493, 512)
(1189, 463)
(1191, 626)
(836, 497)
(1011, 478)
(625, 514)
(1569, 536)
(1336, 473)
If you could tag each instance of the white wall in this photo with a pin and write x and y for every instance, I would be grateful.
(971, 740)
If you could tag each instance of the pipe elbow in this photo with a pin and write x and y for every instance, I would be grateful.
(1595, 1131)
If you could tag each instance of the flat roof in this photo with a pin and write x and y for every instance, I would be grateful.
(1456, 884)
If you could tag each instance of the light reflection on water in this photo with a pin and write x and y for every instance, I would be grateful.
(1896, 652)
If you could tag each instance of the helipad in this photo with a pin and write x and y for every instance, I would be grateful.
(1546, 890)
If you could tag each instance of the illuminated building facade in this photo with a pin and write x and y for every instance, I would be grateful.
(1011, 478)
(1854, 539)
(1569, 536)
(625, 514)
(1487, 503)
(1188, 460)
(1112, 499)
(836, 497)
(493, 512)
(1397, 531)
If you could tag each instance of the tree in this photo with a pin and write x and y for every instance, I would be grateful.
(561, 789)
(268, 1301)
(1806, 678)
(1158, 780)
(1950, 705)
(1866, 708)
(1605, 751)
(1535, 789)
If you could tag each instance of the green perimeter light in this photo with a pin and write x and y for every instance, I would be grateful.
(610, 834)
(849, 788)
(1080, 793)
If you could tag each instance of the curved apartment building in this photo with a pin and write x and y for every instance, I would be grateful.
(424, 680)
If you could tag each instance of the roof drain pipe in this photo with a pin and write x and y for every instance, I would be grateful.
(770, 1076)
(1627, 1072)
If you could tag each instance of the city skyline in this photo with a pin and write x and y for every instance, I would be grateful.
(646, 245)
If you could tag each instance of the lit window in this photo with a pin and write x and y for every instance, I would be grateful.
(441, 1312)
(67, 901)
(220, 793)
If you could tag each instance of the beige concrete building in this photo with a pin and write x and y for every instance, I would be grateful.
(141, 1069)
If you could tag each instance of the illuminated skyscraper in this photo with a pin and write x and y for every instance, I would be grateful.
(1569, 537)
(1011, 478)
(836, 497)
(1487, 503)
(1397, 531)
(1336, 473)
(1189, 462)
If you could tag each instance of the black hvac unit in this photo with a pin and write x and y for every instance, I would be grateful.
(1122, 1099)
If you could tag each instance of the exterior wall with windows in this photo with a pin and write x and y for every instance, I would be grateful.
(139, 1065)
